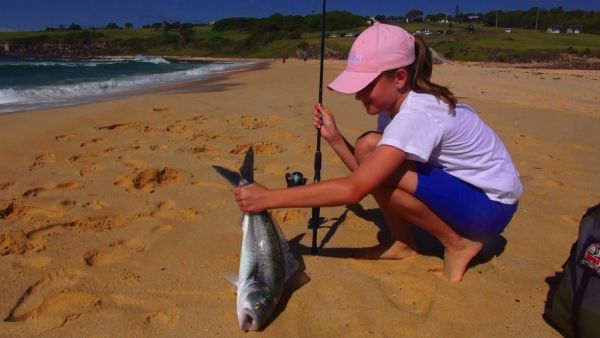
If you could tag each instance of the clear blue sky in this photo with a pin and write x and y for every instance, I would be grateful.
(38, 14)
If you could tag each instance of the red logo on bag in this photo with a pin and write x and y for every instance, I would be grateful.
(591, 257)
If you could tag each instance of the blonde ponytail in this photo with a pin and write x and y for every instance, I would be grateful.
(420, 71)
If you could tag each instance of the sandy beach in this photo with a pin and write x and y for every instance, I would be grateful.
(113, 223)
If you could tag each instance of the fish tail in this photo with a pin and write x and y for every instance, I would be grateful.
(246, 172)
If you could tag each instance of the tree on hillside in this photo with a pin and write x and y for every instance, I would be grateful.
(112, 25)
(128, 25)
(436, 17)
(590, 20)
(74, 27)
(186, 32)
(414, 15)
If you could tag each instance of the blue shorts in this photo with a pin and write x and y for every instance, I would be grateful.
(464, 207)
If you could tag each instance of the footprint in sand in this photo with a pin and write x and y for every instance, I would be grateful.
(89, 224)
(128, 161)
(413, 297)
(252, 122)
(259, 148)
(167, 209)
(14, 242)
(158, 147)
(64, 137)
(93, 141)
(82, 158)
(166, 318)
(34, 261)
(67, 294)
(177, 128)
(6, 185)
(42, 160)
(160, 109)
(126, 247)
(147, 179)
(407, 293)
(203, 136)
(55, 297)
(95, 205)
(196, 150)
(52, 187)
(89, 169)
(198, 119)
(121, 149)
(129, 126)
(18, 209)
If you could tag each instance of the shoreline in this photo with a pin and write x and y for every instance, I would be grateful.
(565, 62)
(151, 89)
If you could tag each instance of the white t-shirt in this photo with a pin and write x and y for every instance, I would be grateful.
(460, 143)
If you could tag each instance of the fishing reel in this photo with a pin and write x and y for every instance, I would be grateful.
(295, 179)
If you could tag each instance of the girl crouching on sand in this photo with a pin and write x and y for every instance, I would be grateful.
(431, 162)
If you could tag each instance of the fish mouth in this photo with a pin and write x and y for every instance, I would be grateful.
(247, 322)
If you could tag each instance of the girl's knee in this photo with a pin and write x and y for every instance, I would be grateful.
(365, 144)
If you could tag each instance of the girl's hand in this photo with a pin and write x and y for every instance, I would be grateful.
(251, 198)
(321, 117)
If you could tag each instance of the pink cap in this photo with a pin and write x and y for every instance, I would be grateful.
(378, 48)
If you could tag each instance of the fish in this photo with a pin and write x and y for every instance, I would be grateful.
(265, 259)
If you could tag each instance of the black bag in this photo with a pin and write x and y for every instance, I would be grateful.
(575, 306)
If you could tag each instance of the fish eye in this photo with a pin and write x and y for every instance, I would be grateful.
(257, 305)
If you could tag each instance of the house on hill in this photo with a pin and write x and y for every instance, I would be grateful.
(554, 29)
(575, 29)
(4, 47)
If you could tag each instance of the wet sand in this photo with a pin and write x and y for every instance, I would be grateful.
(112, 221)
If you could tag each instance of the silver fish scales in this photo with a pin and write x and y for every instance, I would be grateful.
(265, 260)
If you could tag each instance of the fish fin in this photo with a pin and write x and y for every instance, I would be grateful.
(290, 263)
(231, 176)
(233, 278)
(247, 169)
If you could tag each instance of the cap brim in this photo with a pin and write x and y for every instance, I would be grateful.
(351, 82)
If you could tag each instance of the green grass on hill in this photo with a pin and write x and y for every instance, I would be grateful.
(491, 44)
(485, 44)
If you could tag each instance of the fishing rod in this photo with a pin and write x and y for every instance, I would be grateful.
(314, 221)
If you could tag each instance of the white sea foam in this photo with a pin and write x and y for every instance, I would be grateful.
(150, 59)
(85, 63)
(8, 96)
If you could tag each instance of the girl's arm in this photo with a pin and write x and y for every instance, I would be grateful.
(323, 118)
(372, 173)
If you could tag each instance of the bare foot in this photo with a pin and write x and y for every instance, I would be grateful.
(456, 259)
(397, 250)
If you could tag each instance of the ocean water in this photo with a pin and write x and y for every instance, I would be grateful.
(27, 84)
